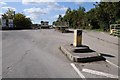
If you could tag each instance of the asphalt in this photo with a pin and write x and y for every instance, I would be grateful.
(35, 54)
(104, 44)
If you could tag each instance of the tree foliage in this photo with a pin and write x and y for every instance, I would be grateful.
(21, 22)
(100, 17)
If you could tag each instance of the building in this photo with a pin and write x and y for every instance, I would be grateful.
(35, 26)
(44, 24)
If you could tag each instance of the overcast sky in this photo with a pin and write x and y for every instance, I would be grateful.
(47, 11)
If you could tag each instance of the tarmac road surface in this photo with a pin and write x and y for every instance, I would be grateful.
(35, 54)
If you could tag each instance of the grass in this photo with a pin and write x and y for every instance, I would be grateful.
(97, 30)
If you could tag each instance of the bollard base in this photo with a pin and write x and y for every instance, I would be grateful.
(81, 54)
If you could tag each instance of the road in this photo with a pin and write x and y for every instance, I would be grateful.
(35, 54)
(104, 43)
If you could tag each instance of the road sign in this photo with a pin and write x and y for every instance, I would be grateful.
(10, 23)
(3, 22)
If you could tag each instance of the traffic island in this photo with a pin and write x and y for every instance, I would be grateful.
(81, 54)
(77, 52)
(61, 29)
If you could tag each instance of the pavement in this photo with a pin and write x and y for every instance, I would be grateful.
(103, 43)
(103, 36)
(35, 54)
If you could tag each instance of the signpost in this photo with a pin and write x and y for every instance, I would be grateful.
(3, 22)
(77, 38)
(10, 23)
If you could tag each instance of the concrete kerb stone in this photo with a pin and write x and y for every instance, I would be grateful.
(76, 57)
(68, 54)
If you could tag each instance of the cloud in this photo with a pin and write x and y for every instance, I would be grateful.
(35, 13)
(38, 1)
(56, 6)
(1, 15)
(2, 3)
(53, 5)
(44, 11)
(36, 10)
(8, 7)
(56, 16)
(78, 3)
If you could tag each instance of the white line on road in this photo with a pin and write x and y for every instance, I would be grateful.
(112, 64)
(99, 73)
(77, 70)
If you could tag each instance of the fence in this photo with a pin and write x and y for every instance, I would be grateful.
(115, 29)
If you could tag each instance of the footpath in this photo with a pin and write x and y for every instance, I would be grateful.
(103, 36)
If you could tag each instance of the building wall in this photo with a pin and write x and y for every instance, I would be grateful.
(44, 23)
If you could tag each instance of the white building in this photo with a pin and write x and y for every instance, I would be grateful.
(45, 24)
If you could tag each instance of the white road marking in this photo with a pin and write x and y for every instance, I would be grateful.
(79, 73)
(112, 64)
(99, 73)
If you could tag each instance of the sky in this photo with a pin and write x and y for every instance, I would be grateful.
(46, 11)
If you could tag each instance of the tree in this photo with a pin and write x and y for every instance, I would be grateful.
(100, 17)
(81, 9)
(21, 22)
(4, 16)
(60, 18)
(68, 11)
(80, 17)
(10, 13)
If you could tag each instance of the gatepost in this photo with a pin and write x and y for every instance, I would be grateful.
(10, 23)
(77, 38)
